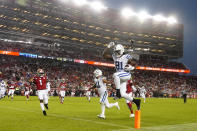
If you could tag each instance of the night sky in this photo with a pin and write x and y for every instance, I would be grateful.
(184, 10)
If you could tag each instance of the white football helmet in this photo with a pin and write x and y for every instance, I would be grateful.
(119, 50)
(97, 73)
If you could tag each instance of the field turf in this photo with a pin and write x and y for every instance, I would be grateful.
(77, 114)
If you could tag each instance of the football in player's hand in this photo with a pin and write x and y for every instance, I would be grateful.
(129, 67)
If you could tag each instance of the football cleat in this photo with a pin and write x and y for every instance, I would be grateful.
(101, 116)
(131, 115)
(117, 106)
(46, 106)
(137, 102)
(44, 113)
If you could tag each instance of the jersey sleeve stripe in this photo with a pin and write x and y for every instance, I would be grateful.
(124, 75)
(128, 56)
(104, 97)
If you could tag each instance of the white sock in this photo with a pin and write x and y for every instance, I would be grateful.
(42, 106)
(102, 109)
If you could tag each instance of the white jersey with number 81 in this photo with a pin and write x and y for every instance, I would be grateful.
(121, 62)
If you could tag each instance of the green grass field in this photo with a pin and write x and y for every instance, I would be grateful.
(77, 114)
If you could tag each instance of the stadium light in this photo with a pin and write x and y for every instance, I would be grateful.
(97, 6)
(80, 2)
(171, 20)
(159, 18)
(143, 15)
(127, 12)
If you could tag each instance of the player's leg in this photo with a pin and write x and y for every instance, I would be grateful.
(1, 94)
(102, 109)
(144, 97)
(123, 91)
(116, 80)
(9, 92)
(41, 98)
(129, 105)
(106, 102)
(63, 95)
(45, 92)
(110, 105)
(126, 96)
(4, 93)
(117, 84)
(12, 94)
(102, 115)
(88, 93)
(60, 97)
(48, 95)
(27, 95)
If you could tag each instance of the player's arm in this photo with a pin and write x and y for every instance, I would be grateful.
(93, 87)
(132, 62)
(106, 81)
(134, 89)
(106, 53)
(32, 80)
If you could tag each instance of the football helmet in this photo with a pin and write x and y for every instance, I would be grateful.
(63, 80)
(119, 50)
(40, 72)
(97, 73)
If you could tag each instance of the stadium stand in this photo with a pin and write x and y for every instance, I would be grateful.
(47, 29)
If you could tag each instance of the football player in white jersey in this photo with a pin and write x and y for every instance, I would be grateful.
(123, 64)
(100, 84)
(62, 90)
(2, 89)
(87, 91)
(143, 93)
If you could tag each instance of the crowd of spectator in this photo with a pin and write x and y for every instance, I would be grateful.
(79, 76)
(77, 53)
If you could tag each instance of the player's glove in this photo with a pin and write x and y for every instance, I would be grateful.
(111, 44)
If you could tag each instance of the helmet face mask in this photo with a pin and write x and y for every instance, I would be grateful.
(97, 73)
(118, 50)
